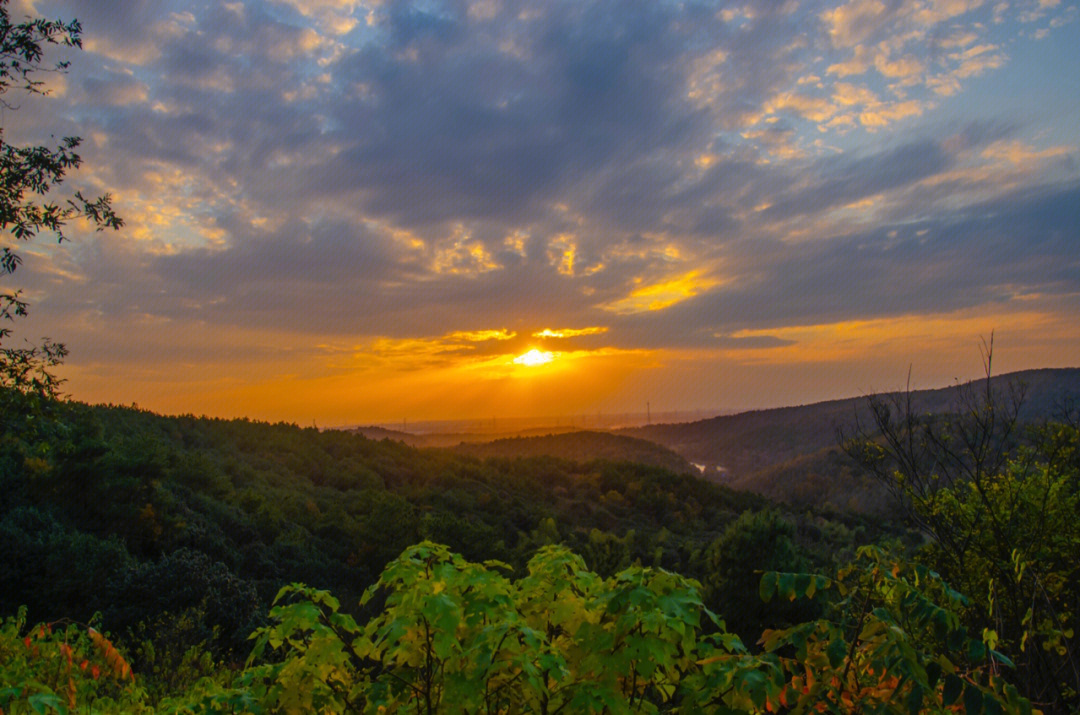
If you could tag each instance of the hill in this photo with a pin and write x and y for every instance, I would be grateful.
(454, 438)
(582, 447)
(380, 433)
(825, 479)
(734, 447)
(200, 521)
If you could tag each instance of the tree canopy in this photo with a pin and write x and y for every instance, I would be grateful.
(998, 501)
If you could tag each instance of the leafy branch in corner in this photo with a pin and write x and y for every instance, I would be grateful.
(29, 177)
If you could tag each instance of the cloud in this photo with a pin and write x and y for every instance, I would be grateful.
(816, 109)
(480, 336)
(838, 181)
(878, 115)
(848, 95)
(853, 22)
(953, 262)
(133, 33)
(116, 91)
(857, 64)
(335, 17)
(899, 68)
(687, 177)
(569, 332)
(662, 295)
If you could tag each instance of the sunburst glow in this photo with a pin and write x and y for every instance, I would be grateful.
(534, 357)
(406, 235)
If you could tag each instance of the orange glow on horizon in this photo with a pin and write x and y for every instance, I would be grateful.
(341, 380)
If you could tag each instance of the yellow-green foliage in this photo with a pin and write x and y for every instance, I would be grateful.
(454, 636)
(63, 668)
(1004, 529)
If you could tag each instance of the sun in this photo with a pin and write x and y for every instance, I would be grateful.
(533, 358)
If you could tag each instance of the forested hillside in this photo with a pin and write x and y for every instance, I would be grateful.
(581, 447)
(159, 512)
(748, 442)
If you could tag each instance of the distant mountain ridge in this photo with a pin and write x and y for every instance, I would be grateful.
(577, 446)
(453, 439)
(787, 454)
(735, 446)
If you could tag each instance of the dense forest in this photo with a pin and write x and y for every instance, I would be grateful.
(179, 537)
(160, 512)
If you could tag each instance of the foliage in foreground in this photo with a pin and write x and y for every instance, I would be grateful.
(62, 667)
(457, 636)
(998, 502)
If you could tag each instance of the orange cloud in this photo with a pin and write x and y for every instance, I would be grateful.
(569, 332)
(657, 296)
(940, 335)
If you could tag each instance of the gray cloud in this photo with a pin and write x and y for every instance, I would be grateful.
(1026, 242)
(840, 180)
(430, 171)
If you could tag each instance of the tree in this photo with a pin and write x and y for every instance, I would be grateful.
(998, 504)
(757, 541)
(29, 177)
(455, 636)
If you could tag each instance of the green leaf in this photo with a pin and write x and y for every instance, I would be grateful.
(45, 702)
(973, 700)
(767, 587)
(753, 685)
(836, 651)
(915, 700)
(933, 673)
(802, 584)
(953, 687)
(976, 650)
(990, 638)
(785, 585)
(1002, 658)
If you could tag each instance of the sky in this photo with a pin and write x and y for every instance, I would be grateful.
(357, 212)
